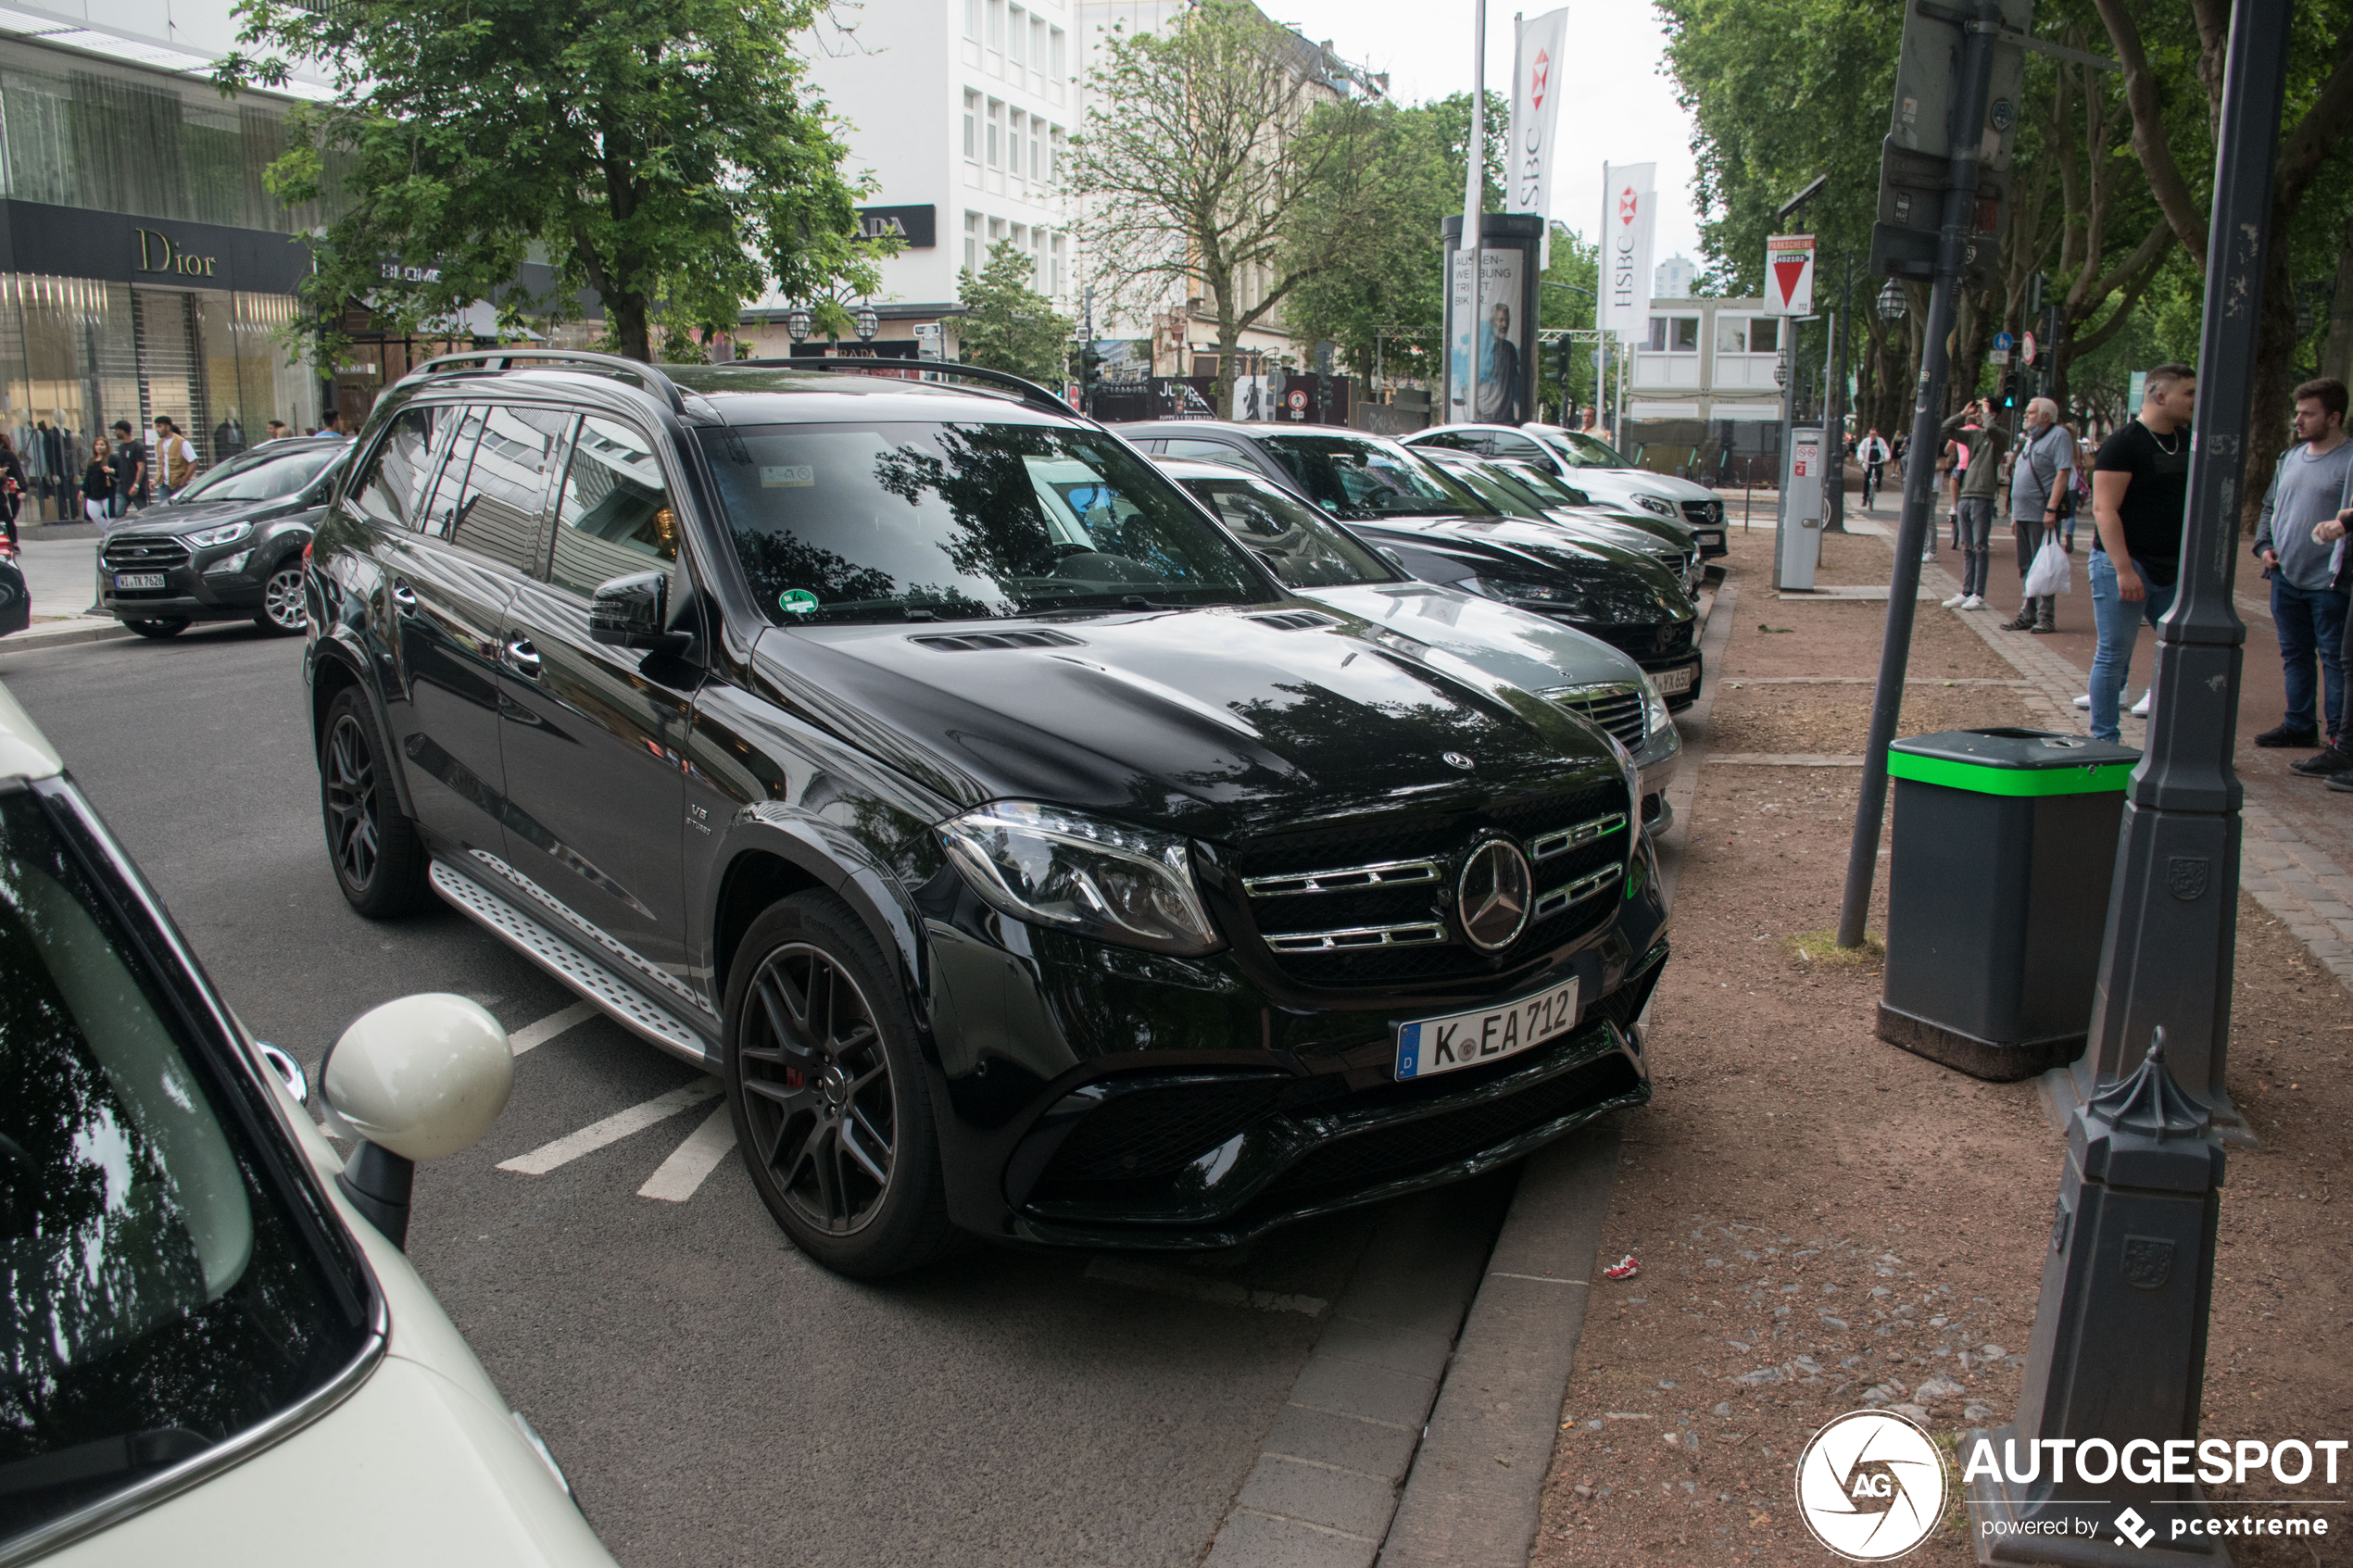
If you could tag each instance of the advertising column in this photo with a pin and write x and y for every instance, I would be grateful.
(1492, 314)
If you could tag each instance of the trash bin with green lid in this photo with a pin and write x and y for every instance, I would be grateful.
(2005, 841)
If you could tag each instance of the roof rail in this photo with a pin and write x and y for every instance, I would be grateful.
(645, 375)
(1030, 391)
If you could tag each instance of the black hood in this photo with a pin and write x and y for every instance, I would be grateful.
(1214, 723)
(1612, 586)
(209, 514)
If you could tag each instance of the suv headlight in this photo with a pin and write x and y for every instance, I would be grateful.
(1659, 505)
(227, 533)
(1654, 715)
(1516, 590)
(1057, 867)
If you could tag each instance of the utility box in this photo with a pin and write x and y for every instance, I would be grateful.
(1997, 894)
(1797, 541)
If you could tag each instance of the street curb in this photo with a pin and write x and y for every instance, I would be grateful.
(1476, 1490)
(21, 642)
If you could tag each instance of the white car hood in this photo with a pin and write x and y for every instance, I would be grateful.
(1511, 645)
(1656, 484)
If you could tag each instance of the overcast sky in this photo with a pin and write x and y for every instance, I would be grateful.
(1619, 107)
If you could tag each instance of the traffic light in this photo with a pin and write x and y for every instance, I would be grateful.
(1564, 351)
(2008, 398)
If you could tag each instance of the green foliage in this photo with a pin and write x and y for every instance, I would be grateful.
(1007, 324)
(1382, 295)
(663, 153)
(1577, 270)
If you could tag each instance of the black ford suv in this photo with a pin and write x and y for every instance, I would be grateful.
(1024, 857)
(228, 547)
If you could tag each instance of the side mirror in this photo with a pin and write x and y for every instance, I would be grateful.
(415, 1079)
(633, 613)
(1394, 559)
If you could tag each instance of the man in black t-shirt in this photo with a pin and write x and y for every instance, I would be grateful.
(2140, 490)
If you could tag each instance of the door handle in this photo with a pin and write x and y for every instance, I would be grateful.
(523, 658)
(404, 595)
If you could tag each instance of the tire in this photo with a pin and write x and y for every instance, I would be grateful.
(282, 613)
(378, 857)
(158, 629)
(827, 1089)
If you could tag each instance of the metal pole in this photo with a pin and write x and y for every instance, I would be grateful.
(1475, 191)
(1919, 475)
(1835, 408)
(1782, 520)
(2172, 912)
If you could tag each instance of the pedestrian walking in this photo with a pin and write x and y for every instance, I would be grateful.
(2140, 489)
(175, 460)
(2312, 482)
(2040, 484)
(276, 431)
(12, 484)
(1982, 443)
(331, 422)
(129, 469)
(1873, 451)
(97, 485)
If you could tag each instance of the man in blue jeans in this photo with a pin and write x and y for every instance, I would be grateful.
(2140, 490)
(2308, 488)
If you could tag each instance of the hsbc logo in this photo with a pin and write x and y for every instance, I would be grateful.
(1540, 79)
(1629, 201)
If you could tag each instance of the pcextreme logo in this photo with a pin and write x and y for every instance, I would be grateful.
(1871, 1485)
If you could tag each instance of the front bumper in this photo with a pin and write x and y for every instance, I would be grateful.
(188, 594)
(1683, 669)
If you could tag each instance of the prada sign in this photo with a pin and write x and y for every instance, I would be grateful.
(915, 228)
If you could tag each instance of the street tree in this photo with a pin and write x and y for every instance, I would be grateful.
(1007, 324)
(1211, 144)
(665, 154)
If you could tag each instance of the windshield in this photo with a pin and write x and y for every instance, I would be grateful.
(911, 521)
(160, 1298)
(1557, 491)
(265, 478)
(1497, 488)
(1359, 478)
(1304, 548)
(1581, 450)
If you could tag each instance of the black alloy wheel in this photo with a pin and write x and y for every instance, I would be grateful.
(378, 857)
(282, 613)
(158, 629)
(828, 1092)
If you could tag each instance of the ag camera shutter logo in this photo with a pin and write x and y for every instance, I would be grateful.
(1871, 1485)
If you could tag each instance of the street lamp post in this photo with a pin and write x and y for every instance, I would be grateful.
(797, 324)
(868, 321)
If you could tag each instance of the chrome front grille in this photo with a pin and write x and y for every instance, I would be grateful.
(1618, 709)
(145, 552)
(1385, 914)
(1703, 514)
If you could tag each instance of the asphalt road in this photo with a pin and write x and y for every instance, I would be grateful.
(714, 1396)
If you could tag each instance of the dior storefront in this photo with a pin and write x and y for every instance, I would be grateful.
(144, 268)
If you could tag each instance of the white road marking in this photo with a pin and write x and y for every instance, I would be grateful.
(613, 1129)
(547, 1028)
(680, 1174)
(1222, 1292)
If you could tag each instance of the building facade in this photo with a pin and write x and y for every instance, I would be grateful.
(1703, 400)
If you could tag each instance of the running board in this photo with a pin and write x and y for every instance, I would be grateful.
(621, 1003)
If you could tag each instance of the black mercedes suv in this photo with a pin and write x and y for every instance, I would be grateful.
(912, 754)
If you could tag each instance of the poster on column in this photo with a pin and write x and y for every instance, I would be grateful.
(1462, 301)
(1627, 224)
(1503, 331)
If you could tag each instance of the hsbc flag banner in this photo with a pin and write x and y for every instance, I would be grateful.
(1626, 222)
(1789, 275)
(1536, 104)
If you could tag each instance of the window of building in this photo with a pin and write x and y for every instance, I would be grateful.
(972, 126)
(1037, 152)
(1038, 45)
(1055, 167)
(1021, 236)
(997, 24)
(1055, 46)
(1765, 335)
(1016, 34)
(1015, 123)
(996, 133)
(1674, 334)
(996, 230)
(971, 20)
(1747, 334)
(972, 241)
(1057, 278)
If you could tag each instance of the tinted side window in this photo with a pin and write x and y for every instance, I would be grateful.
(460, 430)
(389, 492)
(506, 489)
(1504, 446)
(615, 517)
(1207, 451)
(1455, 440)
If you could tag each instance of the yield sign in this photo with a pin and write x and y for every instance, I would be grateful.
(1789, 275)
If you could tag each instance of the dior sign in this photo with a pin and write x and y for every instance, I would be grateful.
(157, 253)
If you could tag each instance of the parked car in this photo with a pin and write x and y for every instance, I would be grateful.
(1318, 559)
(1441, 533)
(1595, 467)
(1025, 858)
(16, 598)
(1514, 497)
(215, 1351)
(228, 547)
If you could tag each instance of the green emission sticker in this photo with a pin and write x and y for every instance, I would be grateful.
(797, 601)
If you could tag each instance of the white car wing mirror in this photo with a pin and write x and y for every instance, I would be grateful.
(415, 1079)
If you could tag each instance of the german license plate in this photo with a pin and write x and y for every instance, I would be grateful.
(1674, 683)
(1710, 541)
(1465, 1039)
(138, 579)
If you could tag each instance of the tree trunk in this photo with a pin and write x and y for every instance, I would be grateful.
(2337, 350)
(2267, 431)
(1229, 337)
(627, 317)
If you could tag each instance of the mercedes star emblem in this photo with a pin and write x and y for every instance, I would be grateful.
(1456, 759)
(1493, 893)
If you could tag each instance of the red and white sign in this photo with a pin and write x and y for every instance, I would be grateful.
(1789, 275)
(1538, 51)
(2026, 345)
(1627, 222)
(1296, 399)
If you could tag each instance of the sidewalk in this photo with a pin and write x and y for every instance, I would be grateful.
(60, 566)
(1824, 1221)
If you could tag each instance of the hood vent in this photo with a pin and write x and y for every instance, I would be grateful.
(967, 641)
(1296, 619)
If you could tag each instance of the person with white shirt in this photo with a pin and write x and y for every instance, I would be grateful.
(1873, 452)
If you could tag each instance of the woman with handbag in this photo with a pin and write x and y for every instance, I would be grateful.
(97, 485)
